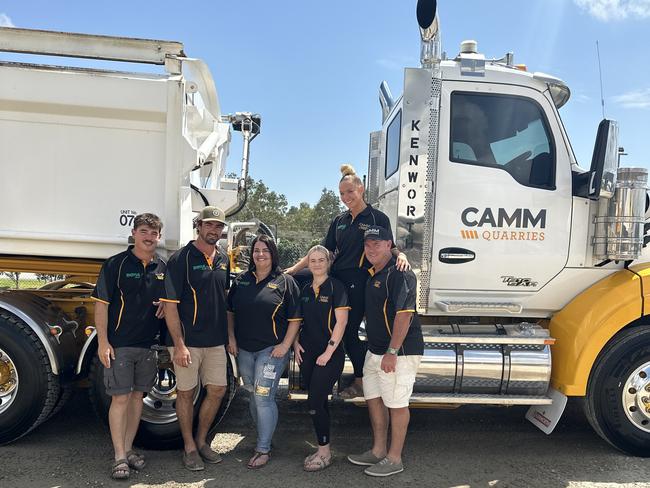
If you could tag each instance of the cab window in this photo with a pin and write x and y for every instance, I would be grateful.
(393, 134)
(503, 132)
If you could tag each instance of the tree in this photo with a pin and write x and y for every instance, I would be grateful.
(49, 278)
(327, 207)
(263, 204)
(299, 218)
(13, 276)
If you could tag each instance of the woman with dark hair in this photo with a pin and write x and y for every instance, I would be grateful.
(344, 240)
(263, 320)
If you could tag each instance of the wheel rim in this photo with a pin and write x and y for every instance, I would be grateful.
(636, 397)
(160, 402)
(8, 381)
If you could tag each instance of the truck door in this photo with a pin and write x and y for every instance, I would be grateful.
(503, 192)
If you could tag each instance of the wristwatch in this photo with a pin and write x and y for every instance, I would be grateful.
(391, 350)
(331, 342)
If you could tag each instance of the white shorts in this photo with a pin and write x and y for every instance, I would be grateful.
(393, 388)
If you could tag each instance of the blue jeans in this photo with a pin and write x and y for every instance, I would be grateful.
(261, 375)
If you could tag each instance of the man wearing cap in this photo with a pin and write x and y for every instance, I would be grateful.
(395, 347)
(195, 311)
(127, 320)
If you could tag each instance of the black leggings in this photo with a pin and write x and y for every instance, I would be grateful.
(319, 381)
(355, 286)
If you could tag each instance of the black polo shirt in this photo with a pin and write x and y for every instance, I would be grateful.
(199, 287)
(129, 287)
(263, 309)
(345, 237)
(388, 293)
(318, 317)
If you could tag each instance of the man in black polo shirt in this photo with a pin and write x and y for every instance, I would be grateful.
(195, 311)
(127, 321)
(395, 347)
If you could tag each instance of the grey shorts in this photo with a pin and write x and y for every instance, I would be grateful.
(133, 369)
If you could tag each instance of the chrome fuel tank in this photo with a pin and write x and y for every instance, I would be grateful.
(507, 360)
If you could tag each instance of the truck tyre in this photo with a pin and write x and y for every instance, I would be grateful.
(159, 428)
(29, 390)
(618, 394)
(64, 395)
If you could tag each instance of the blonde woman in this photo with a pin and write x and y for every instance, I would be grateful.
(345, 241)
(318, 350)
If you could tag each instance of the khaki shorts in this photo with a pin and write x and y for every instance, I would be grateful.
(393, 388)
(208, 363)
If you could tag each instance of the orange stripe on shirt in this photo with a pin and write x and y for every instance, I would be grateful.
(169, 301)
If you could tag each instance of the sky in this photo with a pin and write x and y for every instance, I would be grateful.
(312, 69)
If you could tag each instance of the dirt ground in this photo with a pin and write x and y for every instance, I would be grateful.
(468, 447)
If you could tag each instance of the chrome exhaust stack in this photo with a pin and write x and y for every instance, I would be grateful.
(385, 100)
(430, 50)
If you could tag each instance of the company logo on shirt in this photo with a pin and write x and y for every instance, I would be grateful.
(341, 226)
(244, 283)
(364, 227)
(324, 299)
(305, 299)
(133, 275)
(376, 284)
(272, 286)
(200, 267)
(223, 267)
(160, 276)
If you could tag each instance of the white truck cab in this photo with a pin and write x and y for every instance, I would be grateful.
(531, 273)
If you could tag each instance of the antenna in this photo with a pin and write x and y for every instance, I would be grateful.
(600, 74)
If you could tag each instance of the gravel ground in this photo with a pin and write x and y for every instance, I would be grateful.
(468, 447)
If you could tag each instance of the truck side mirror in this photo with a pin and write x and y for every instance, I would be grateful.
(604, 162)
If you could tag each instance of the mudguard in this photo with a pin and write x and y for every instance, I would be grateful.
(590, 320)
(40, 315)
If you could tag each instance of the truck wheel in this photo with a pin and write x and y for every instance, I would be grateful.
(159, 425)
(618, 394)
(28, 388)
(64, 395)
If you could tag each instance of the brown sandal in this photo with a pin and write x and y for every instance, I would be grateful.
(316, 462)
(135, 460)
(251, 463)
(120, 470)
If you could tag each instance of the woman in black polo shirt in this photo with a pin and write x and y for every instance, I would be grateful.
(324, 316)
(263, 320)
(345, 240)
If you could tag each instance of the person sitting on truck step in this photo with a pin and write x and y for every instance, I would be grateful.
(263, 320)
(195, 311)
(127, 320)
(395, 347)
(350, 265)
(318, 351)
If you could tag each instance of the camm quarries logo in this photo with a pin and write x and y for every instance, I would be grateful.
(500, 219)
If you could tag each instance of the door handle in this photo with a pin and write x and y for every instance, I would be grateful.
(456, 255)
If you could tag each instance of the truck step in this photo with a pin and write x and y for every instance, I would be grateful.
(450, 306)
(423, 399)
(301, 395)
(432, 340)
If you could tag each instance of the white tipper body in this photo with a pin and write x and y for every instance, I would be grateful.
(82, 151)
